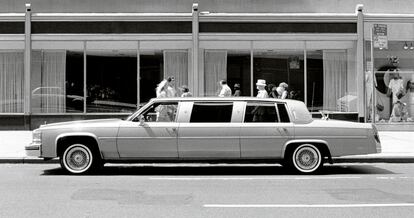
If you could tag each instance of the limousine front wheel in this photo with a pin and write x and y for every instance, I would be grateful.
(79, 159)
(306, 159)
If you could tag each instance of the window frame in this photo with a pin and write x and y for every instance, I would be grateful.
(219, 103)
(264, 103)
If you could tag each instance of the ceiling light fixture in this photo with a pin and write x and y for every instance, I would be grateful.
(411, 46)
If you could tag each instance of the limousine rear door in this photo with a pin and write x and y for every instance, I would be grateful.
(207, 132)
(265, 129)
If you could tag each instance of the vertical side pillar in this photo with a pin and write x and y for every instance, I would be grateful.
(27, 65)
(195, 72)
(360, 64)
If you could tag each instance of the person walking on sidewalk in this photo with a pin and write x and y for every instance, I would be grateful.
(225, 89)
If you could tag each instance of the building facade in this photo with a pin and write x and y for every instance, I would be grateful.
(68, 60)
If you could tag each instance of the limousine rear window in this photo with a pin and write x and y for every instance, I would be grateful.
(260, 112)
(211, 113)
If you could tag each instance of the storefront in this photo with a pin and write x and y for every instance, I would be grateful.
(390, 72)
(66, 66)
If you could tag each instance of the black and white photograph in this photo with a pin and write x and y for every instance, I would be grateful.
(206, 108)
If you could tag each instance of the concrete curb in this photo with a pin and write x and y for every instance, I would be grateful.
(386, 159)
(26, 160)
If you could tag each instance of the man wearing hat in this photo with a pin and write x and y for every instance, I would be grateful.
(259, 111)
(260, 85)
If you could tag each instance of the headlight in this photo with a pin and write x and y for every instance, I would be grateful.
(37, 136)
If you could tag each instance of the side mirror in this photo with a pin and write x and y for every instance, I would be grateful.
(141, 120)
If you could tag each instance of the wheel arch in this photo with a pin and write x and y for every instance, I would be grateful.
(63, 140)
(320, 144)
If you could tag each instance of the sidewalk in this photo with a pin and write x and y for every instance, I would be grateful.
(397, 147)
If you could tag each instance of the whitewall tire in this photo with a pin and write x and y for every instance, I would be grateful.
(306, 159)
(78, 159)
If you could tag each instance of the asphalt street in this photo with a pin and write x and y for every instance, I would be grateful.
(342, 190)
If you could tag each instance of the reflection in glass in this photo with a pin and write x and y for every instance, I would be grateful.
(280, 66)
(111, 80)
(57, 81)
(331, 81)
(238, 71)
(11, 81)
(151, 73)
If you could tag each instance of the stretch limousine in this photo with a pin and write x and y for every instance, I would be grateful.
(206, 129)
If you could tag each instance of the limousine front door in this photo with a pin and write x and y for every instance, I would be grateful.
(207, 131)
(156, 137)
(150, 140)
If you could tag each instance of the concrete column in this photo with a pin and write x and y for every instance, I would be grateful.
(360, 58)
(27, 66)
(195, 48)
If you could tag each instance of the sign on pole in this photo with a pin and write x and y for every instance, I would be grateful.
(380, 36)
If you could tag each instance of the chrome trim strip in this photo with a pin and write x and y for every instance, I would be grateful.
(109, 138)
(330, 137)
(264, 137)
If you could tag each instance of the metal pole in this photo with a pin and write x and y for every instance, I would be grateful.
(195, 50)
(27, 59)
(360, 59)
(373, 109)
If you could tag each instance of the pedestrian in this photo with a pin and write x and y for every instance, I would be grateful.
(260, 85)
(282, 92)
(271, 88)
(161, 90)
(165, 113)
(237, 91)
(186, 92)
(225, 89)
(171, 92)
(259, 111)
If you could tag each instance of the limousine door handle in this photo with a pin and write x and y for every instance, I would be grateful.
(283, 129)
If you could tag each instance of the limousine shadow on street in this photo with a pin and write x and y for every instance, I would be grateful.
(220, 170)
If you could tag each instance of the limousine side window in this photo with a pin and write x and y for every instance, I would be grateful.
(211, 113)
(160, 112)
(283, 114)
(260, 112)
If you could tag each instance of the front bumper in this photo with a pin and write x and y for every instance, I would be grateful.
(33, 150)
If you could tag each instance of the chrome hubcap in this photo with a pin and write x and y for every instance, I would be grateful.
(78, 158)
(307, 158)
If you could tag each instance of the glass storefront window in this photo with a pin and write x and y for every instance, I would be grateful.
(331, 79)
(151, 73)
(329, 85)
(394, 84)
(111, 80)
(57, 77)
(238, 71)
(390, 89)
(230, 65)
(280, 66)
(11, 81)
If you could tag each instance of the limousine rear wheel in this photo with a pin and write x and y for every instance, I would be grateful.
(79, 159)
(306, 159)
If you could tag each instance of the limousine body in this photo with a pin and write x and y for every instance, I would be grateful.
(206, 129)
